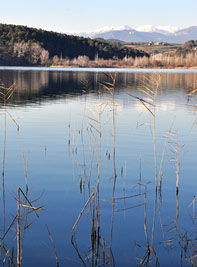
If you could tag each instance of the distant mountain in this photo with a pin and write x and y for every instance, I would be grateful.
(187, 34)
(167, 30)
(101, 31)
(133, 36)
(145, 34)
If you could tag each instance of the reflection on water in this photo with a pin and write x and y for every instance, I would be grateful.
(58, 84)
(78, 183)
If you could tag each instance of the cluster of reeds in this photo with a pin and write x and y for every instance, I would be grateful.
(19, 225)
(25, 204)
(154, 61)
(20, 221)
(101, 252)
(98, 254)
(149, 90)
(163, 60)
(98, 247)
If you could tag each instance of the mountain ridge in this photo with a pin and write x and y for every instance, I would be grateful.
(145, 33)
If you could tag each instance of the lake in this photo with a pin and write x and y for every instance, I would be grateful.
(90, 161)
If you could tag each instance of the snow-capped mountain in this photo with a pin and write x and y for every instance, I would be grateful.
(167, 30)
(103, 30)
(111, 28)
(145, 33)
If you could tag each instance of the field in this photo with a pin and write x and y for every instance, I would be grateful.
(154, 49)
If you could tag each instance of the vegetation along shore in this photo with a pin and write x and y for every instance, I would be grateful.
(24, 46)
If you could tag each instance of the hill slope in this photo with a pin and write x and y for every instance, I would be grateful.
(21, 44)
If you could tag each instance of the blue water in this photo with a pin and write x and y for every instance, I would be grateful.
(60, 113)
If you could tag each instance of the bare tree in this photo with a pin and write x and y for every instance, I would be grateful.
(33, 53)
(44, 57)
(55, 60)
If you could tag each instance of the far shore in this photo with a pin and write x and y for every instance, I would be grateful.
(123, 67)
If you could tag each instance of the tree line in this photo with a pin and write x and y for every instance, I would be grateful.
(188, 47)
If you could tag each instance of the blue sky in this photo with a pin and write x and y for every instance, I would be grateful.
(88, 15)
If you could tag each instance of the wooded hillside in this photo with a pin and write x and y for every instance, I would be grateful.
(21, 45)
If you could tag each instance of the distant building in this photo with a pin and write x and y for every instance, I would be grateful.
(150, 43)
(161, 43)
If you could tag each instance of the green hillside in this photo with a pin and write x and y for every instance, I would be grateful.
(30, 46)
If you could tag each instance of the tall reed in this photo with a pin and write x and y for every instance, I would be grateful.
(149, 88)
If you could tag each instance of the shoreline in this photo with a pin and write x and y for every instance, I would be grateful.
(89, 68)
(119, 67)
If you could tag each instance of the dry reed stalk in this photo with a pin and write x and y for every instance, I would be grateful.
(54, 248)
(149, 88)
(145, 260)
(30, 205)
(132, 207)
(83, 148)
(69, 135)
(97, 128)
(8, 229)
(73, 242)
(176, 149)
(154, 218)
(97, 193)
(75, 225)
(93, 232)
(80, 185)
(10, 257)
(104, 253)
(18, 231)
(177, 214)
(3, 167)
(167, 137)
(20, 236)
(145, 217)
(13, 119)
(112, 218)
(98, 225)
(91, 164)
(140, 171)
(162, 226)
(25, 170)
(131, 196)
(193, 204)
(110, 87)
(6, 255)
(5, 95)
(154, 128)
(178, 168)
(98, 230)
(124, 186)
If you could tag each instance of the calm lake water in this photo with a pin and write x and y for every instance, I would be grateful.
(76, 138)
